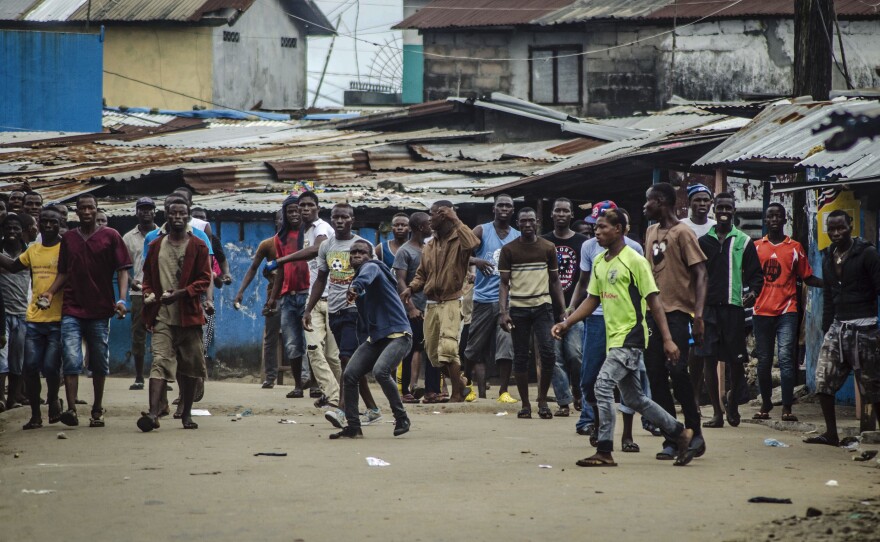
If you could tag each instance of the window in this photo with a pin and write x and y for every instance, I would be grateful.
(555, 74)
(288, 43)
(232, 37)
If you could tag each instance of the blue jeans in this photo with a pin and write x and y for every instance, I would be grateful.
(569, 352)
(95, 333)
(42, 349)
(382, 358)
(292, 334)
(780, 331)
(12, 355)
(621, 369)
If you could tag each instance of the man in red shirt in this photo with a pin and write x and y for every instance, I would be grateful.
(775, 321)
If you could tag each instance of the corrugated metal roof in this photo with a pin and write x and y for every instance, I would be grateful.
(585, 10)
(548, 151)
(689, 9)
(471, 13)
(118, 10)
(781, 132)
(12, 10)
(53, 10)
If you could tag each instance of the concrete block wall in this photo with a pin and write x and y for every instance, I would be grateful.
(445, 77)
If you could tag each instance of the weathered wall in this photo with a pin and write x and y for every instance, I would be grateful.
(720, 60)
(257, 68)
(174, 58)
(446, 77)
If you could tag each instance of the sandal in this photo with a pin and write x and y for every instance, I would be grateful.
(69, 418)
(147, 423)
(668, 454)
(409, 399)
(55, 410)
(630, 447)
(789, 417)
(595, 461)
(33, 423)
(762, 416)
(431, 398)
(525, 414)
(545, 413)
(295, 394)
(97, 418)
(822, 439)
(189, 424)
(562, 412)
(715, 422)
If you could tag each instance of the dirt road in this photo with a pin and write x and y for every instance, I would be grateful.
(456, 476)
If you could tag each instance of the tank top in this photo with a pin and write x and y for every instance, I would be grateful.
(387, 256)
(486, 287)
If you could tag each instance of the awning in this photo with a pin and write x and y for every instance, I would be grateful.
(785, 188)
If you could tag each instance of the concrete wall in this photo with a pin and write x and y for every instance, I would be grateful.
(720, 60)
(256, 68)
(446, 77)
(175, 58)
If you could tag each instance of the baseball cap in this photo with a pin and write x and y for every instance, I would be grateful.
(598, 208)
(145, 202)
(695, 189)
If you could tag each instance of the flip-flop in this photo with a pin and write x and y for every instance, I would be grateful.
(763, 416)
(630, 447)
(668, 454)
(595, 462)
(789, 417)
(822, 439)
(32, 424)
(685, 458)
(524, 414)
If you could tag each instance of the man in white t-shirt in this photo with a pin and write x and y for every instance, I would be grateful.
(700, 200)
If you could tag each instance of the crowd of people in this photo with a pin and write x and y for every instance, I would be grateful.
(600, 318)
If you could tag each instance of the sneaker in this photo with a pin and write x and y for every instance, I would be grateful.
(401, 426)
(322, 401)
(335, 417)
(138, 385)
(348, 432)
(506, 398)
(471, 397)
(268, 385)
(371, 416)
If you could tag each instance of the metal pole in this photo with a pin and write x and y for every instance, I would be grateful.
(326, 62)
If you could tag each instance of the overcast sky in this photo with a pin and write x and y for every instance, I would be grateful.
(352, 59)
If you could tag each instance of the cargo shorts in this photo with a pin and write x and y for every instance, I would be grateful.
(850, 348)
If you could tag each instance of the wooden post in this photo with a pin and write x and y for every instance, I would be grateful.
(720, 180)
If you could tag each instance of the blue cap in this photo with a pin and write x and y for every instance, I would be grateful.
(695, 189)
(598, 209)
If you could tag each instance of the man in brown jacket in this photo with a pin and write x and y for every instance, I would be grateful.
(441, 276)
(177, 271)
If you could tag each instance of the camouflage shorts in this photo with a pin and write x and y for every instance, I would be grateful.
(847, 348)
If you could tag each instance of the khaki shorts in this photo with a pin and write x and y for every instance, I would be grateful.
(177, 350)
(442, 326)
(138, 331)
(845, 349)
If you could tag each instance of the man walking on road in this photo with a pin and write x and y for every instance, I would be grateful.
(389, 338)
(851, 269)
(623, 282)
(441, 276)
(484, 329)
(176, 274)
(679, 269)
(89, 258)
(567, 373)
(145, 211)
(775, 321)
(530, 300)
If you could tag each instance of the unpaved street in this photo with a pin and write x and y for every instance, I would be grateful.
(460, 474)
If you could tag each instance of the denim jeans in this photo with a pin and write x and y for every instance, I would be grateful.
(594, 357)
(525, 321)
(621, 369)
(292, 307)
(780, 331)
(12, 355)
(42, 349)
(95, 333)
(569, 352)
(660, 372)
(382, 358)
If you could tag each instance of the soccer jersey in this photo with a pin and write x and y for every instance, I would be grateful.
(622, 285)
(782, 265)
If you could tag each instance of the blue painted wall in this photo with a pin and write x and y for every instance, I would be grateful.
(50, 81)
(413, 74)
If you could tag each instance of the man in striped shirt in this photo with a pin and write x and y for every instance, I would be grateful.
(530, 277)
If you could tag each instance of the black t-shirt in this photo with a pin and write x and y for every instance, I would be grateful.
(568, 254)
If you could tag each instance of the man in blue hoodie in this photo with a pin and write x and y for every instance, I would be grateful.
(389, 338)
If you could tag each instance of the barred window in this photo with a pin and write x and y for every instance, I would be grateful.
(288, 42)
(232, 37)
(556, 74)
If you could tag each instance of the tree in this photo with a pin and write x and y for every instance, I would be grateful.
(812, 48)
